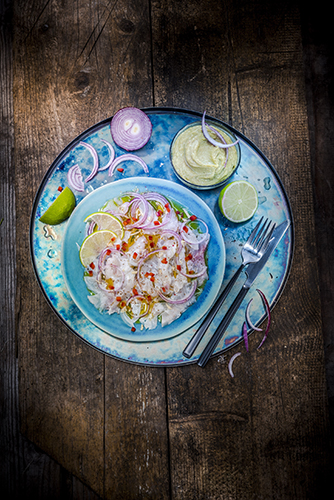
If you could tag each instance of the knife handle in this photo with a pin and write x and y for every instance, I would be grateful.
(195, 340)
(212, 344)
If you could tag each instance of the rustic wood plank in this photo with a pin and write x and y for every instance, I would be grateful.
(8, 364)
(25, 471)
(137, 459)
(296, 406)
(225, 433)
(76, 64)
(319, 73)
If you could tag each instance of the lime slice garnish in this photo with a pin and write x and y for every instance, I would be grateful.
(238, 201)
(105, 220)
(60, 209)
(93, 245)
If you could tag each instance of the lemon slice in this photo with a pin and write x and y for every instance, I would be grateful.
(238, 201)
(105, 220)
(60, 209)
(93, 245)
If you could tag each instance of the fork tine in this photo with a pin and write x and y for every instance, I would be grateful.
(264, 244)
(251, 237)
(261, 232)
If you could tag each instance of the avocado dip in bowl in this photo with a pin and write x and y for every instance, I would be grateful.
(200, 164)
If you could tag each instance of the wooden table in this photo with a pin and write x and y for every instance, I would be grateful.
(79, 424)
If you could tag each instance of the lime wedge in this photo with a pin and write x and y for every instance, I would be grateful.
(93, 245)
(238, 201)
(60, 209)
(105, 220)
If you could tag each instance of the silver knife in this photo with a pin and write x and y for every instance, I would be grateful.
(252, 272)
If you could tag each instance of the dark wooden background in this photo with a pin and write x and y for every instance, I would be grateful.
(76, 424)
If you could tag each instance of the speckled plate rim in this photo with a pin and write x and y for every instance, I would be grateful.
(196, 115)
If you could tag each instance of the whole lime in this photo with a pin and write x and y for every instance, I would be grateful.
(60, 209)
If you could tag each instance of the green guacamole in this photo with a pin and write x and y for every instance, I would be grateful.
(197, 161)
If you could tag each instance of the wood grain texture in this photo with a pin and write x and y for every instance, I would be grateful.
(62, 88)
(319, 73)
(25, 471)
(134, 432)
(264, 419)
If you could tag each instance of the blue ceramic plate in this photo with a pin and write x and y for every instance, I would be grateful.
(46, 242)
(73, 270)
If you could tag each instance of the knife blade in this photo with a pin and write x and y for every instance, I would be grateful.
(255, 268)
(252, 272)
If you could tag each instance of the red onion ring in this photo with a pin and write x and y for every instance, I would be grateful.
(167, 215)
(142, 260)
(195, 275)
(222, 138)
(134, 205)
(91, 228)
(245, 335)
(95, 160)
(269, 316)
(106, 252)
(249, 321)
(127, 157)
(140, 297)
(111, 157)
(231, 363)
(180, 301)
(212, 141)
(176, 236)
(74, 178)
(183, 233)
(131, 128)
(116, 289)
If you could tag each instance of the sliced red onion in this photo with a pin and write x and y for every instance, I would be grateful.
(106, 252)
(195, 275)
(222, 138)
(139, 297)
(156, 197)
(269, 316)
(211, 140)
(142, 260)
(90, 229)
(116, 289)
(131, 128)
(180, 301)
(95, 160)
(188, 240)
(74, 178)
(245, 334)
(198, 257)
(111, 155)
(176, 236)
(249, 321)
(133, 205)
(127, 157)
(231, 363)
(167, 215)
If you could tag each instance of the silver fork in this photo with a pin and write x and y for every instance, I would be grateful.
(251, 252)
